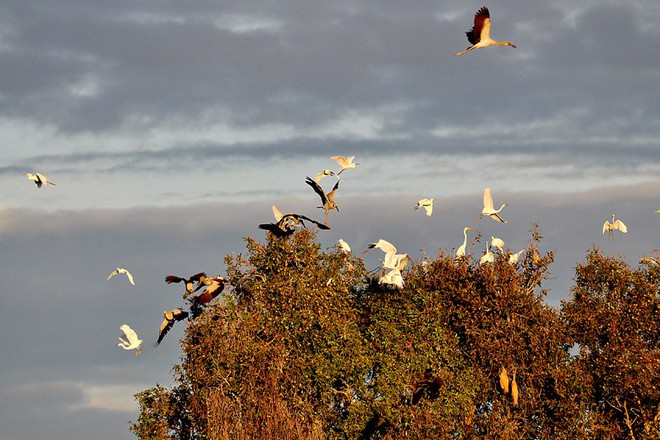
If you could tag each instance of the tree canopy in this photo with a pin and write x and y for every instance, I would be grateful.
(307, 344)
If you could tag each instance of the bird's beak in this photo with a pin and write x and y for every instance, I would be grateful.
(513, 45)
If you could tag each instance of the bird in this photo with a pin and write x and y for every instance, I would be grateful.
(189, 282)
(497, 243)
(460, 252)
(346, 163)
(124, 271)
(427, 204)
(657, 211)
(391, 276)
(284, 226)
(324, 173)
(39, 179)
(488, 257)
(649, 261)
(514, 390)
(513, 258)
(328, 199)
(344, 246)
(504, 380)
(611, 227)
(392, 260)
(169, 318)
(488, 209)
(133, 342)
(214, 286)
(479, 35)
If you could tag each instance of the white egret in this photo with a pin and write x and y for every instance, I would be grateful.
(169, 318)
(392, 259)
(488, 257)
(391, 276)
(324, 173)
(346, 163)
(133, 342)
(328, 199)
(513, 258)
(344, 246)
(427, 204)
(479, 35)
(488, 209)
(650, 261)
(497, 243)
(39, 179)
(460, 252)
(614, 225)
(124, 271)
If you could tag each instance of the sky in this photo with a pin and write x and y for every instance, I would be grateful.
(170, 128)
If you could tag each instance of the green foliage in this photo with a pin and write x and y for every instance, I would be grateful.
(306, 345)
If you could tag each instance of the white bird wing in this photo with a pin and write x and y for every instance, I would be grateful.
(113, 273)
(620, 226)
(385, 246)
(488, 200)
(130, 277)
(606, 226)
(130, 334)
(277, 213)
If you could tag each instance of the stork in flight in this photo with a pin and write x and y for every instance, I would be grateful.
(614, 225)
(189, 282)
(39, 179)
(479, 35)
(169, 318)
(214, 286)
(124, 271)
(284, 224)
(489, 210)
(328, 199)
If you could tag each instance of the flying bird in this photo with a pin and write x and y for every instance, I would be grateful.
(169, 318)
(488, 209)
(344, 246)
(328, 199)
(497, 243)
(133, 342)
(513, 258)
(391, 276)
(427, 204)
(124, 271)
(479, 35)
(392, 260)
(214, 286)
(324, 173)
(189, 282)
(488, 257)
(39, 179)
(346, 163)
(284, 226)
(460, 252)
(611, 227)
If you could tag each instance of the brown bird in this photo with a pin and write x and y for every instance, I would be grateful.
(169, 318)
(514, 390)
(328, 199)
(504, 380)
(479, 35)
(189, 282)
(286, 222)
(214, 287)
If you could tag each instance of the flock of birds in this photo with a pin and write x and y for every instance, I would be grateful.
(393, 262)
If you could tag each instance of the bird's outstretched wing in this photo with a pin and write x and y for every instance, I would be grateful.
(488, 199)
(277, 213)
(130, 333)
(112, 274)
(317, 189)
(169, 279)
(481, 21)
(130, 277)
(314, 222)
(620, 226)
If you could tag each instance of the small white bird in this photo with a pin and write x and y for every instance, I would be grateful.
(344, 246)
(488, 209)
(39, 179)
(513, 258)
(611, 227)
(427, 204)
(479, 35)
(346, 163)
(488, 257)
(324, 173)
(124, 271)
(497, 243)
(133, 343)
(460, 252)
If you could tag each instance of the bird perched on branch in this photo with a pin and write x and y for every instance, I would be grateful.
(132, 342)
(169, 318)
(479, 35)
(125, 272)
(460, 252)
(513, 258)
(488, 257)
(189, 282)
(327, 199)
(39, 179)
(497, 243)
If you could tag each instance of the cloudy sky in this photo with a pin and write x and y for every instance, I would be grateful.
(170, 128)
